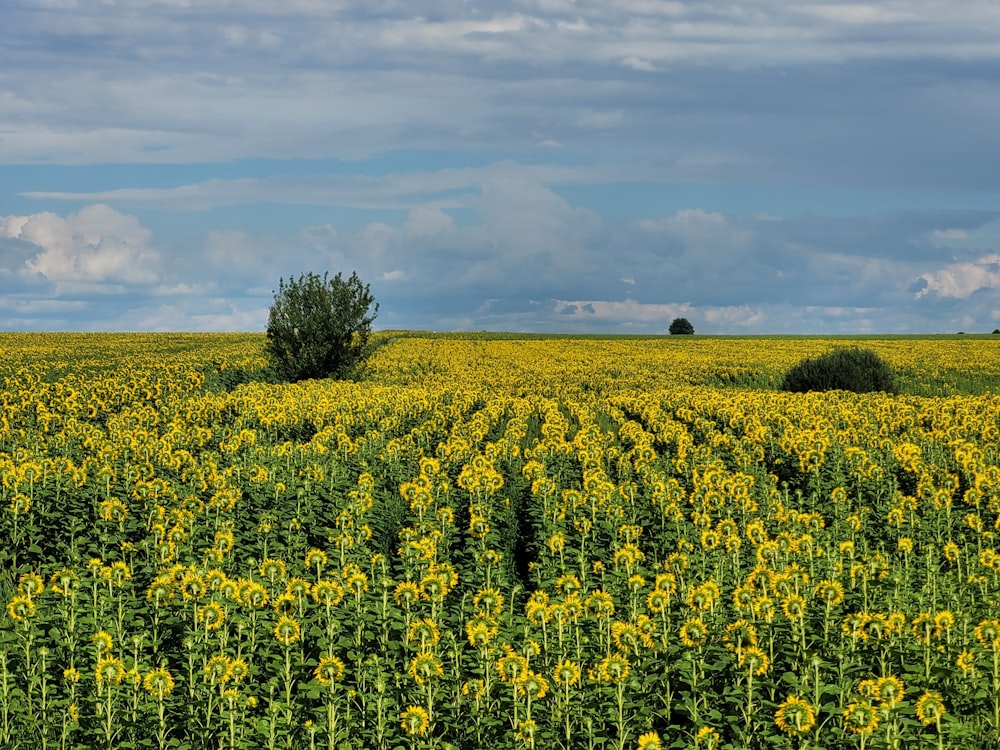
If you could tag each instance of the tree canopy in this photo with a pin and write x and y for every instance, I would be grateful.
(320, 327)
(681, 326)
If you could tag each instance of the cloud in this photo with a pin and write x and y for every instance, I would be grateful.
(95, 246)
(517, 255)
(417, 191)
(962, 280)
(600, 120)
(638, 64)
(783, 91)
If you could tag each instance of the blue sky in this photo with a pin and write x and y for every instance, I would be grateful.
(777, 166)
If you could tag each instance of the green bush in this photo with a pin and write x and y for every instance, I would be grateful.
(320, 327)
(851, 369)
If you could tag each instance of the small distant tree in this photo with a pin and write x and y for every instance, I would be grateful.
(681, 327)
(320, 327)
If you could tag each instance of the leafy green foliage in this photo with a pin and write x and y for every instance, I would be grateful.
(681, 326)
(849, 369)
(320, 327)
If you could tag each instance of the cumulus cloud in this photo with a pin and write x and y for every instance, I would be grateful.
(962, 280)
(93, 247)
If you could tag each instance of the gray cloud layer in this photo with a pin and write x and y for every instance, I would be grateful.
(894, 92)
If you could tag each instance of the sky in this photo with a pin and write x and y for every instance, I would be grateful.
(575, 166)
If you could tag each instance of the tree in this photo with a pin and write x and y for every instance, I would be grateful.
(681, 326)
(320, 327)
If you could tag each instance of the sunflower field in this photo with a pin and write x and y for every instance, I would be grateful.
(496, 542)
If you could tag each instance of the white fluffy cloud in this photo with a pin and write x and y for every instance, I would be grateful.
(93, 247)
(962, 280)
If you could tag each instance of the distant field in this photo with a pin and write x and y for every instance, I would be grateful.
(497, 541)
(926, 365)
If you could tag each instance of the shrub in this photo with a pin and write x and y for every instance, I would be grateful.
(681, 326)
(320, 327)
(850, 369)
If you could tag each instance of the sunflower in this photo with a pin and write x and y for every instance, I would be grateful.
(557, 543)
(158, 683)
(966, 661)
(988, 634)
(217, 670)
(657, 601)
(357, 583)
(30, 585)
(315, 558)
(192, 585)
(754, 661)
(743, 598)
(473, 689)
(568, 584)
(272, 569)
(943, 622)
(693, 632)
(763, 608)
(739, 635)
(211, 616)
(708, 738)
(930, 708)
(614, 668)
(626, 637)
(103, 642)
(636, 583)
(889, 690)
(532, 685)
(480, 631)
(536, 612)
(287, 630)
(794, 607)
(109, 671)
(526, 732)
(649, 741)
(424, 667)
(21, 608)
(118, 573)
(238, 669)
(20, 503)
(424, 633)
(330, 593)
(215, 579)
(950, 551)
(795, 716)
(488, 601)
(860, 717)
(406, 593)
(65, 582)
(433, 587)
(511, 666)
(300, 588)
(329, 671)
(415, 720)
(253, 594)
(567, 673)
(831, 593)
